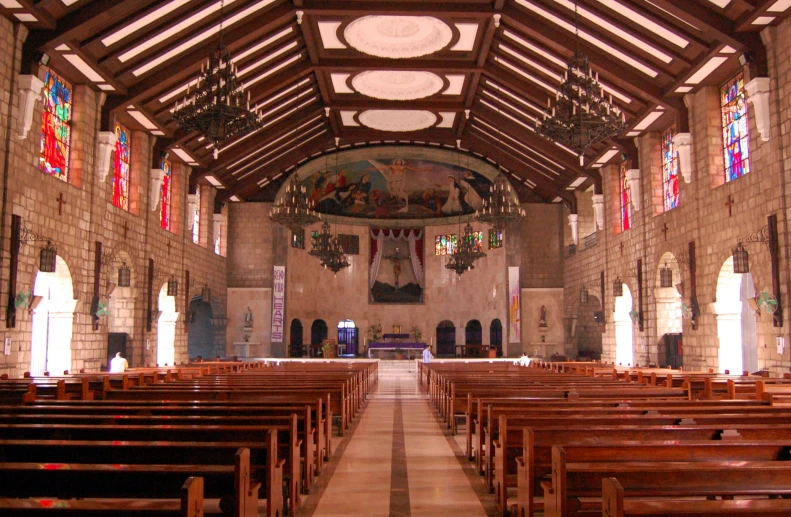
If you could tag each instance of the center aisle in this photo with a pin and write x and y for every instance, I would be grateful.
(398, 462)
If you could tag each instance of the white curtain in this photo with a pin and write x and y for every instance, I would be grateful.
(417, 267)
(377, 261)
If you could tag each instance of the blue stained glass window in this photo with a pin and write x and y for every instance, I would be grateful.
(56, 127)
(669, 169)
(495, 239)
(735, 133)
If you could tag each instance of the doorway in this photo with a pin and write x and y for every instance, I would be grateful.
(318, 333)
(53, 321)
(446, 339)
(736, 325)
(166, 328)
(624, 328)
(496, 336)
(347, 335)
(295, 339)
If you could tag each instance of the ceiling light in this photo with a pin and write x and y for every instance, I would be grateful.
(135, 26)
(398, 37)
(84, 67)
(397, 85)
(398, 120)
(211, 179)
(704, 71)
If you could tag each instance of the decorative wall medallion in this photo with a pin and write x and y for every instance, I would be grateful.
(398, 120)
(397, 85)
(398, 37)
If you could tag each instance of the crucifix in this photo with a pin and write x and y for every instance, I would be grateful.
(125, 228)
(396, 258)
(620, 247)
(729, 203)
(61, 202)
(168, 248)
(665, 230)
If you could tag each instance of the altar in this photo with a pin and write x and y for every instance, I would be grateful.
(250, 349)
(411, 349)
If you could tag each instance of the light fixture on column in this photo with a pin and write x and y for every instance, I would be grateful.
(219, 105)
(582, 116)
(48, 258)
(665, 276)
(124, 275)
(173, 287)
(583, 295)
(617, 287)
(741, 259)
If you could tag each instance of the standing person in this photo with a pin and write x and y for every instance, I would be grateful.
(427, 355)
(118, 364)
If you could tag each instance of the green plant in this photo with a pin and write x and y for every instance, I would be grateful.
(399, 353)
(417, 334)
(374, 333)
(326, 349)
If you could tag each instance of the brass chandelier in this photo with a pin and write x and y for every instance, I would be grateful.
(328, 250)
(293, 210)
(219, 106)
(500, 209)
(582, 116)
(466, 253)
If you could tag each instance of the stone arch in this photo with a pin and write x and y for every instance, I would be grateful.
(473, 333)
(318, 332)
(588, 331)
(295, 338)
(736, 325)
(166, 328)
(446, 338)
(668, 303)
(121, 308)
(200, 333)
(53, 320)
(496, 335)
(624, 328)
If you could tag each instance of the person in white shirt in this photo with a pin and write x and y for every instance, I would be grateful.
(118, 364)
(524, 360)
(427, 355)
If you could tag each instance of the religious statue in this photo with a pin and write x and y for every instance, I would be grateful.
(542, 320)
(396, 258)
(248, 324)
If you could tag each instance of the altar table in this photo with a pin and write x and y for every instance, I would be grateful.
(380, 345)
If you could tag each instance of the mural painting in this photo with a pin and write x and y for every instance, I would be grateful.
(396, 188)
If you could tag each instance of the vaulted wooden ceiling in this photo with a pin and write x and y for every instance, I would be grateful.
(501, 65)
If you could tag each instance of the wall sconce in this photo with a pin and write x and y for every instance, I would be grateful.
(29, 92)
(665, 276)
(124, 275)
(633, 180)
(48, 258)
(574, 225)
(106, 142)
(173, 287)
(741, 259)
(583, 295)
(758, 95)
(617, 287)
(157, 177)
(683, 144)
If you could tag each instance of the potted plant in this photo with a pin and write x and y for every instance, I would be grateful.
(399, 353)
(326, 349)
(374, 333)
(416, 334)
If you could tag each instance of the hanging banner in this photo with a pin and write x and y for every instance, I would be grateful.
(278, 303)
(514, 306)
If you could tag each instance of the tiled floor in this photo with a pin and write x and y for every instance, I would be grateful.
(398, 462)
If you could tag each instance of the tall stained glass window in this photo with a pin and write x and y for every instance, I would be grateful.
(123, 142)
(669, 169)
(735, 134)
(626, 198)
(196, 217)
(56, 127)
(445, 244)
(167, 186)
(495, 239)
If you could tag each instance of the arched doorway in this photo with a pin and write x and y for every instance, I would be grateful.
(624, 329)
(295, 339)
(200, 334)
(166, 328)
(588, 330)
(473, 335)
(496, 336)
(53, 321)
(318, 333)
(120, 309)
(446, 339)
(347, 335)
(736, 326)
(668, 312)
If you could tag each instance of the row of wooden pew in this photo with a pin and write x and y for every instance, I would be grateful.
(246, 434)
(593, 438)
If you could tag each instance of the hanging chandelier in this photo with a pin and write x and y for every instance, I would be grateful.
(328, 250)
(293, 210)
(218, 107)
(466, 253)
(500, 209)
(582, 116)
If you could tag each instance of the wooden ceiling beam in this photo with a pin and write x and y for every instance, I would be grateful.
(716, 27)
(363, 8)
(365, 103)
(355, 64)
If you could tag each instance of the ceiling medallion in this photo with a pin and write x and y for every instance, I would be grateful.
(398, 37)
(397, 85)
(398, 120)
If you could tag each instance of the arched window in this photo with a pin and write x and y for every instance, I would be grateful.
(735, 132)
(56, 127)
(196, 218)
(669, 169)
(167, 187)
(626, 197)
(123, 142)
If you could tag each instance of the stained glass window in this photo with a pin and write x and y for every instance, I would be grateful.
(56, 127)
(626, 199)
(735, 135)
(445, 244)
(123, 142)
(477, 239)
(164, 211)
(495, 239)
(669, 169)
(196, 217)
(314, 239)
(298, 239)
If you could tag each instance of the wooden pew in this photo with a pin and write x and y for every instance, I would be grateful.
(614, 504)
(190, 504)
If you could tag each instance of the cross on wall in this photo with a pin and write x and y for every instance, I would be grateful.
(125, 227)
(61, 202)
(665, 229)
(729, 203)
